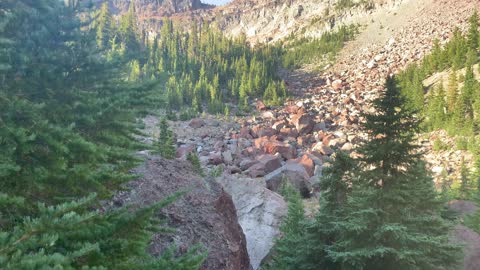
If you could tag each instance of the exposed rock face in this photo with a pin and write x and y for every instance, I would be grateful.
(260, 212)
(264, 21)
(206, 215)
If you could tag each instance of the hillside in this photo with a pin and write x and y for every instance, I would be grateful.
(288, 134)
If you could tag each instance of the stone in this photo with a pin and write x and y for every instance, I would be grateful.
(184, 150)
(260, 213)
(337, 84)
(322, 149)
(304, 123)
(296, 174)
(286, 150)
(265, 165)
(260, 105)
(320, 126)
(227, 157)
(347, 147)
(196, 123)
(259, 131)
(215, 158)
(306, 162)
(247, 163)
(268, 115)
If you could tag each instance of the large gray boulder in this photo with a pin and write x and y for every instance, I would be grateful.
(260, 212)
(294, 173)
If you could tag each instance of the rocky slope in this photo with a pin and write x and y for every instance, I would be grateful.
(206, 215)
(265, 21)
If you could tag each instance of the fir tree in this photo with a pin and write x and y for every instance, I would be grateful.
(104, 27)
(452, 92)
(165, 142)
(287, 250)
(392, 218)
(473, 37)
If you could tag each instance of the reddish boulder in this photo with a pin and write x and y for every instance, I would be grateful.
(289, 132)
(259, 131)
(196, 123)
(265, 165)
(292, 109)
(286, 150)
(306, 162)
(322, 149)
(304, 123)
(245, 133)
(260, 105)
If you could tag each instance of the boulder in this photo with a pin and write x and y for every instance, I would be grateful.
(295, 173)
(247, 163)
(303, 122)
(206, 215)
(286, 150)
(322, 149)
(215, 158)
(265, 165)
(259, 131)
(337, 84)
(184, 150)
(260, 212)
(196, 123)
(269, 146)
(260, 105)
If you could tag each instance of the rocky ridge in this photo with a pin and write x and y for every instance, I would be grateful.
(270, 21)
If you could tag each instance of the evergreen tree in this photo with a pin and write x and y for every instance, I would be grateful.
(165, 142)
(288, 248)
(473, 37)
(67, 131)
(437, 108)
(452, 92)
(193, 158)
(391, 217)
(104, 27)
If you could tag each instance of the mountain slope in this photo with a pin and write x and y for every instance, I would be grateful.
(265, 21)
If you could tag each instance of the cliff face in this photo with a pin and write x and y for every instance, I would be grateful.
(206, 215)
(266, 21)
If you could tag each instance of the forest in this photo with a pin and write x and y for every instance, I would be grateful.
(74, 82)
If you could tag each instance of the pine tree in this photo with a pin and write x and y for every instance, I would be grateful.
(165, 142)
(104, 27)
(193, 158)
(465, 182)
(452, 92)
(437, 108)
(288, 248)
(473, 37)
(392, 214)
